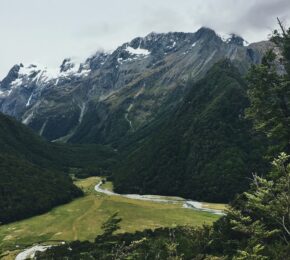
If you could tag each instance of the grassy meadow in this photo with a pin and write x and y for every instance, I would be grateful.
(82, 218)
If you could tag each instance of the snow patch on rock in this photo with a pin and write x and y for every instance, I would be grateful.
(29, 100)
(139, 51)
(27, 119)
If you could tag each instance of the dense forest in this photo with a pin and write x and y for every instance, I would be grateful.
(34, 173)
(257, 223)
(27, 190)
(206, 150)
(18, 140)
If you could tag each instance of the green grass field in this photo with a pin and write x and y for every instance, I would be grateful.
(108, 186)
(82, 218)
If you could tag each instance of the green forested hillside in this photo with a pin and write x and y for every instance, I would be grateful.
(20, 141)
(32, 177)
(206, 150)
(27, 190)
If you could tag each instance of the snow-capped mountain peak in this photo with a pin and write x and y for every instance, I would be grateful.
(233, 38)
(53, 101)
(139, 51)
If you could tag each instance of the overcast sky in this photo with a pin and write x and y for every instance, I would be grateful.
(47, 31)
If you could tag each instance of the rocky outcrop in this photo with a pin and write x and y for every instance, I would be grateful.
(96, 100)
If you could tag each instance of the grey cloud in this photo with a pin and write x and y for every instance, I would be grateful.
(263, 13)
(49, 30)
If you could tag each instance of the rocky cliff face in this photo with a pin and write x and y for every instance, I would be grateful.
(113, 94)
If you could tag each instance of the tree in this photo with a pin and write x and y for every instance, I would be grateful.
(111, 225)
(260, 223)
(269, 92)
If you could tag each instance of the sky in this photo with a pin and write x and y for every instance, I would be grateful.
(47, 31)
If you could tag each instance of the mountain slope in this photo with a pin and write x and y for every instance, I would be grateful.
(27, 190)
(32, 180)
(18, 140)
(205, 150)
(111, 95)
(160, 86)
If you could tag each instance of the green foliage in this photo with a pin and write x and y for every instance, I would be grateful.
(111, 225)
(254, 254)
(259, 223)
(204, 150)
(20, 141)
(162, 243)
(100, 170)
(32, 171)
(27, 190)
(269, 94)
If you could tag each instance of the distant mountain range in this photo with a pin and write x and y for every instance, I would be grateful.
(112, 95)
(171, 106)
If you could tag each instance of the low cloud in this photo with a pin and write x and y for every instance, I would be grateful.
(51, 30)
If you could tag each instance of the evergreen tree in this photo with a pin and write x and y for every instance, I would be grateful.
(269, 93)
(258, 225)
(111, 225)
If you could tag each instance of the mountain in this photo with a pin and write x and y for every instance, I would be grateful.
(32, 177)
(112, 95)
(27, 190)
(26, 186)
(205, 150)
(18, 140)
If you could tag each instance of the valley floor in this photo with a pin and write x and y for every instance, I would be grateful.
(82, 218)
(218, 209)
